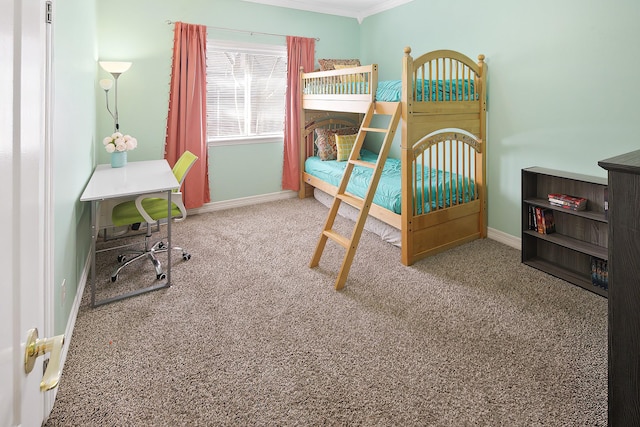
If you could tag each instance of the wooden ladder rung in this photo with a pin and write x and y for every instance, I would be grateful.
(380, 130)
(354, 201)
(338, 238)
(363, 163)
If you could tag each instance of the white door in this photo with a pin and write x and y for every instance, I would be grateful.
(22, 207)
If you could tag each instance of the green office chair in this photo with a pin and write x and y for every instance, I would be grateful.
(150, 209)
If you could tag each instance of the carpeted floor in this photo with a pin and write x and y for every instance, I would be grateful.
(249, 335)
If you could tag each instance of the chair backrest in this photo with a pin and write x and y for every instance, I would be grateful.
(182, 166)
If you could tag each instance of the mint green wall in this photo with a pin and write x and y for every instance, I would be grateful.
(251, 175)
(74, 112)
(561, 80)
(144, 37)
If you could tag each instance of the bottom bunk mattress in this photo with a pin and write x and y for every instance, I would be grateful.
(389, 192)
(386, 232)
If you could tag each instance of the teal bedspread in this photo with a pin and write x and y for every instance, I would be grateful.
(389, 192)
(444, 90)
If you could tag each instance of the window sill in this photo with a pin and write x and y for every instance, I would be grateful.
(244, 141)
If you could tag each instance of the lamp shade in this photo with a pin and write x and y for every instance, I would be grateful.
(106, 84)
(115, 67)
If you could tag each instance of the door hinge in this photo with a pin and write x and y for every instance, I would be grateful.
(48, 12)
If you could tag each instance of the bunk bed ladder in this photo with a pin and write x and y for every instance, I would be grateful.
(392, 109)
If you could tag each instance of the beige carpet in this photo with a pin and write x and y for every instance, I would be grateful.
(248, 335)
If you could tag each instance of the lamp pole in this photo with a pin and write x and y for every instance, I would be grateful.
(115, 115)
(106, 84)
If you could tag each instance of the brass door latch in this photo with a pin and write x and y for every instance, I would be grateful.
(37, 347)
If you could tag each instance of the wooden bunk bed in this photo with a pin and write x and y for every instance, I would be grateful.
(442, 164)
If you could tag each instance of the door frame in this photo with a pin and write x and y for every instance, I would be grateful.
(49, 205)
(27, 219)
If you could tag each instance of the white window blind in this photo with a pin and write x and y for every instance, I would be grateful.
(246, 86)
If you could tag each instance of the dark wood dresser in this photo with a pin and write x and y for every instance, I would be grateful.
(624, 288)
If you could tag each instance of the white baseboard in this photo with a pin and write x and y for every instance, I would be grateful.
(502, 237)
(71, 323)
(243, 201)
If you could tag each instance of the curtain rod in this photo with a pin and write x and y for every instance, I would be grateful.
(169, 22)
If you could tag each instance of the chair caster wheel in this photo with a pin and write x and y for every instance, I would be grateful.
(186, 256)
(161, 245)
(161, 276)
(122, 258)
(114, 278)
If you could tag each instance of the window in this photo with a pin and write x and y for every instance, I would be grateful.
(246, 86)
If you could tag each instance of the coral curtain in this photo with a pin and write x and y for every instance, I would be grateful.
(187, 119)
(300, 53)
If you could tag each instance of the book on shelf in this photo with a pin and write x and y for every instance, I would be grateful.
(533, 223)
(568, 202)
(606, 202)
(599, 273)
(548, 221)
(545, 221)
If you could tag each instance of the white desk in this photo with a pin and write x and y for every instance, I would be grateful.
(134, 179)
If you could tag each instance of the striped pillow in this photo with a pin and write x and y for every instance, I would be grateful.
(344, 144)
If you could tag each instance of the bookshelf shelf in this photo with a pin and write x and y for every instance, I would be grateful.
(579, 237)
(571, 243)
(564, 274)
(595, 216)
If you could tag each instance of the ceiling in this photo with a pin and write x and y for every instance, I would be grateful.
(358, 9)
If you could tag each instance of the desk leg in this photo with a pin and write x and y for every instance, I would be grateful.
(94, 239)
(169, 221)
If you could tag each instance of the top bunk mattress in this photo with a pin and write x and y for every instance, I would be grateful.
(389, 192)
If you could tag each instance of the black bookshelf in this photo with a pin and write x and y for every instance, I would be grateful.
(580, 237)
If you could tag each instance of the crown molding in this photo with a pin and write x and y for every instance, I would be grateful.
(331, 7)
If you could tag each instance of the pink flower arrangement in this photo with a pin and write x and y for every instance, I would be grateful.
(119, 142)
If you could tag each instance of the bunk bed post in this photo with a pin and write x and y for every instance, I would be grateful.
(483, 138)
(406, 248)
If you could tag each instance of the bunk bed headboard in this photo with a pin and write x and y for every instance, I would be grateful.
(330, 123)
(325, 120)
(443, 89)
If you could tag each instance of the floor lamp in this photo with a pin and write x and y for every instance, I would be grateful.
(115, 69)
